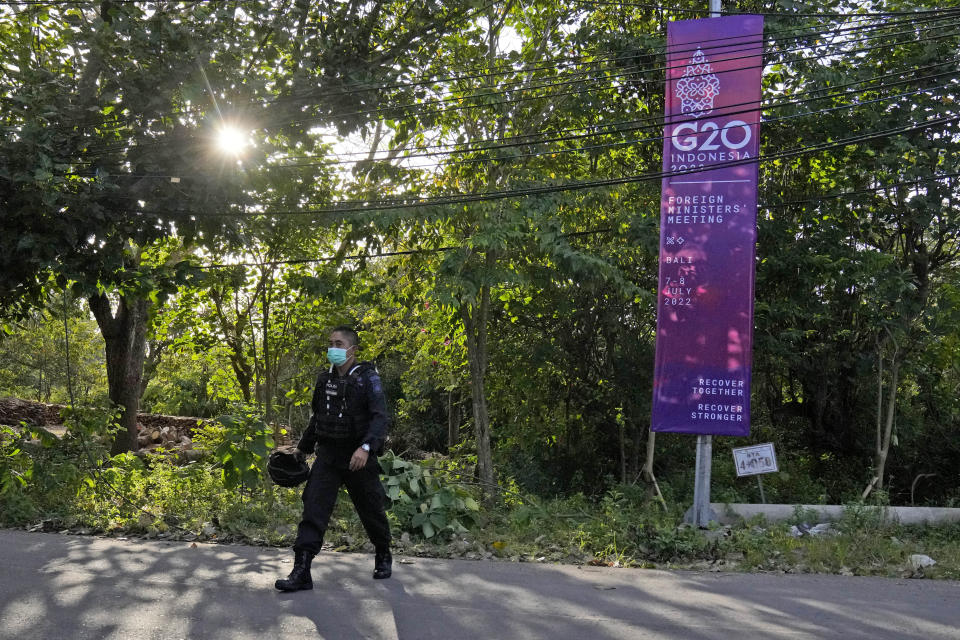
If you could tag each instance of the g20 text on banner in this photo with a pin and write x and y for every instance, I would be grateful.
(708, 227)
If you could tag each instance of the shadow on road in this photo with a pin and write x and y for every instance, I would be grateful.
(77, 587)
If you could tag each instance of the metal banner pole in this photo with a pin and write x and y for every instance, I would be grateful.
(700, 514)
(707, 237)
(701, 487)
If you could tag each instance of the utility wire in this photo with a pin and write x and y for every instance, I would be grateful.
(623, 72)
(643, 5)
(619, 126)
(396, 204)
(768, 33)
(415, 107)
(433, 250)
(546, 85)
(748, 107)
(56, 3)
(858, 192)
(934, 16)
(654, 122)
(722, 42)
(94, 151)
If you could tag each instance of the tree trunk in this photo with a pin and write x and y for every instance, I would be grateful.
(885, 421)
(475, 317)
(43, 364)
(453, 422)
(622, 435)
(125, 338)
(267, 370)
(233, 332)
(884, 449)
(648, 469)
(153, 356)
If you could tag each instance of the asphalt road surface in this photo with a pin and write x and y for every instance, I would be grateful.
(57, 586)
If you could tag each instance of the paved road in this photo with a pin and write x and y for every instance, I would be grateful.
(56, 586)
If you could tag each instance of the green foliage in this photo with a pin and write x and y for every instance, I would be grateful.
(152, 496)
(42, 474)
(16, 466)
(539, 305)
(424, 501)
(245, 443)
(34, 355)
(863, 519)
(631, 525)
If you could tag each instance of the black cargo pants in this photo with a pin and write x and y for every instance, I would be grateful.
(330, 471)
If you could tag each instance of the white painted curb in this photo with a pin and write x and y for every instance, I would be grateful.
(733, 512)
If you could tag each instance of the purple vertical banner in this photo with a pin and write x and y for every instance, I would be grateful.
(708, 227)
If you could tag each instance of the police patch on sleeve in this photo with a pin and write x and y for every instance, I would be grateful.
(375, 383)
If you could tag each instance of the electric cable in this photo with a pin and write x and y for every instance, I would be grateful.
(396, 204)
(776, 15)
(945, 12)
(625, 125)
(441, 249)
(657, 69)
(421, 105)
(103, 150)
(657, 122)
(460, 107)
(620, 143)
(722, 42)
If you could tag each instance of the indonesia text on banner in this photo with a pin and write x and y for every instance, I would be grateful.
(708, 222)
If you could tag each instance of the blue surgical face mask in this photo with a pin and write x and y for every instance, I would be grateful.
(336, 356)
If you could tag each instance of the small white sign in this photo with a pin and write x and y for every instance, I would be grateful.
(754, 460)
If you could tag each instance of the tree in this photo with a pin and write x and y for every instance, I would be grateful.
(112, 116)
(845, 283)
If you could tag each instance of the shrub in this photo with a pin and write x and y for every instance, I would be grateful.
(424, 502)
(240, 444)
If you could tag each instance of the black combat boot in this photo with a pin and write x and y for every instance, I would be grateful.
(299, 577)
(382, 565)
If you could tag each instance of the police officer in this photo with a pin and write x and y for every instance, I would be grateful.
(348, 428)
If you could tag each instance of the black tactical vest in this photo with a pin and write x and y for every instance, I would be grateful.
(342, 413)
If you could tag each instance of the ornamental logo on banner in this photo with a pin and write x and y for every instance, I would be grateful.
(708, 227)
(698, 87)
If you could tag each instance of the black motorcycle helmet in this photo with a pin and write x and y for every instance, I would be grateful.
(288, 466)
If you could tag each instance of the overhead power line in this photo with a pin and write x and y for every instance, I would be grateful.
(467, 102)
(593, 62)
(95, 150)
(442, 249)
(652, 123)
(455, 102)
(655, 123)
(658, 7)
(396, 204)
(907, 76)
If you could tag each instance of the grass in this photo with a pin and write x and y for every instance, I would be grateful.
(155, 499)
